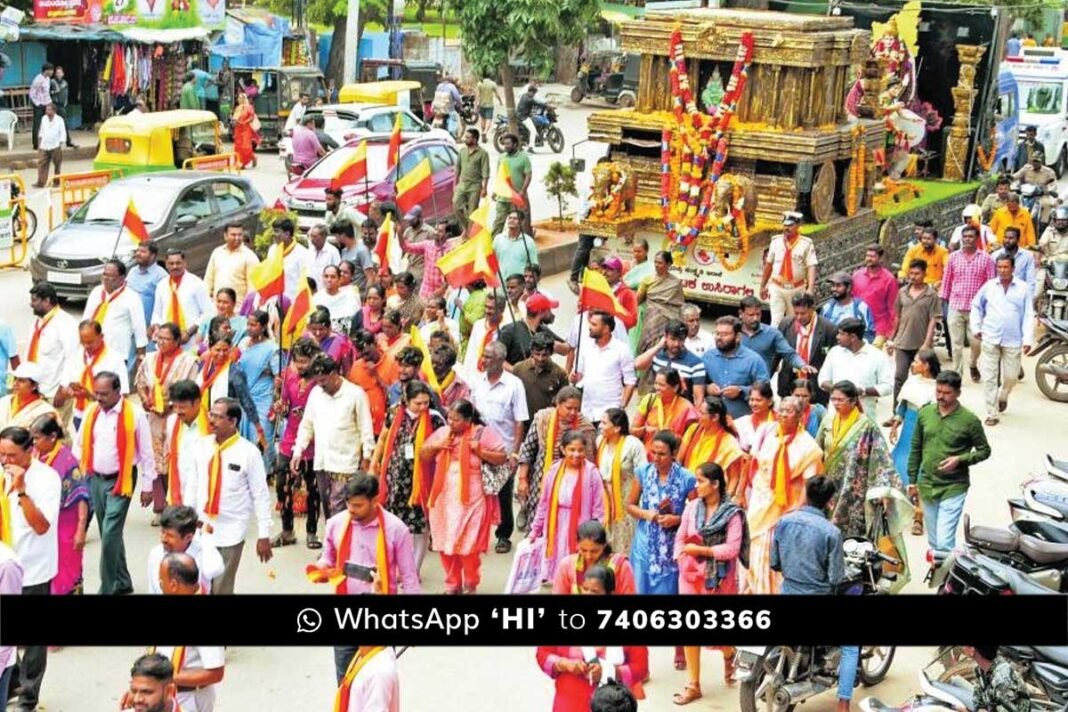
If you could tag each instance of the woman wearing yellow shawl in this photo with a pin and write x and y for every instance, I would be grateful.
(784, 456)
(871, 502)
(618, 457)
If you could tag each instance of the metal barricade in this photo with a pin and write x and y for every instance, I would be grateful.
(222, 162)
(13, 237)
(72, 191)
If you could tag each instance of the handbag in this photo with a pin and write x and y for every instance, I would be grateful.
(495, 477)
(880, 534)
(255, 125)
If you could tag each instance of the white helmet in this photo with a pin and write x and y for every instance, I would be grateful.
(971, 211)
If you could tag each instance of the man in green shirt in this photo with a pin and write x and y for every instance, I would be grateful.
(947, 441)
(514, 164)
(472, 178)
(189, 99)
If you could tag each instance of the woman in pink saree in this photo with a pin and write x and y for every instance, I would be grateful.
(74, 504)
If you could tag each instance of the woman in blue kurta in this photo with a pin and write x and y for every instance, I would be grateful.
(259, 364)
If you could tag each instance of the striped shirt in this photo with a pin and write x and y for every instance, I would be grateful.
(689, 366)
(965, 276)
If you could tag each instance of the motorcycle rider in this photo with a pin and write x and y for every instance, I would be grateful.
(1054, 243)
(446, 103)
(998, 686)
(997, 199)
(525, 114)
(1038, 174)
(970, 216)
(1028, 146)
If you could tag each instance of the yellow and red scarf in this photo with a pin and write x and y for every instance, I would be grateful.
(87, 376)
(159, 401)
(613, 493)
(209, 374)
(52, 454)
(446, 462)
(609, 562)
(174, 309)
(17, 404)
(490, 334)
(550, 443)
(554, 511)
(125, 443)
(422, 428)
(174, 478)
(101, 311)
(786, 271)
(840, 427)
(700, 449)
(5, 511)
(38, 329)
(336, 575)
(341, 701)
(781, 472)
(215, 475)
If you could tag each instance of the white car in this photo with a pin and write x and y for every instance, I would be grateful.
(344, 122)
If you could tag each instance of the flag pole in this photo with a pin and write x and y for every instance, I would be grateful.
(578, 341)
(511, 311)
(115, 249)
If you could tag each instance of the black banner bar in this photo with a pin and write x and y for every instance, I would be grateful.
(309, 620)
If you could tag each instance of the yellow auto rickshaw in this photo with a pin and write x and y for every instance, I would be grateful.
(405, 93)
(158, 141)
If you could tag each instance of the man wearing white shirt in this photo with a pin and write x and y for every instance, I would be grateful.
(434, 319)
(605, 369)
(235, 466)
(231, 263)
(93, 358)
(113, 466)
(854, 359)
(697, 339)
(181, 299)
(53, 339)
(580, 325)
(483, 333)
(296, 258)
(120, 313)
(32, 489)
(201, 671)
(178, 534)
(182, 435)
(322, 252)
(337, 417)
(50, 139)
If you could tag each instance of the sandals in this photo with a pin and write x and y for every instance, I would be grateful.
(283, 540)
(313, 542)
(917, 528)
(503, 546)
(689, 693)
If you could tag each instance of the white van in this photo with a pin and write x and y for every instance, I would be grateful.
(1042, 76)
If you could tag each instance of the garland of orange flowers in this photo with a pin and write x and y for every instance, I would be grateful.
(987, 162)
(695, 141)
(856, 178)
(739, 230)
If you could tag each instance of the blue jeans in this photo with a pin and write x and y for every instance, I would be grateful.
(847, 671)
(941, 518)
(5, 683)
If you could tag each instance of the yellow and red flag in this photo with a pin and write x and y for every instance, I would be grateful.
(504, 187)
(132, 222)
(353, 170)
(300, 310)
(388, 249)
(415, 186)
(478, 222)
(472, 260)
(428, 369)
(393, 156)
(595, 294)
(268, 277)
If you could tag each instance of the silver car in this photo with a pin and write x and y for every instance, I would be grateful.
(182, 209)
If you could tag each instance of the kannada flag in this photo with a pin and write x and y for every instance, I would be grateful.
(428, 369)
(596, 295)
(354, 169)
(479, 222)
(268, 277)
(296, 320)
(393, 156)
(388, 249)
(415, 186)
(472, 260)
(504, 188)
(132, 222)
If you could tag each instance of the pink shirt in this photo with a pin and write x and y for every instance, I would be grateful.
(364, 551)
(305, 147)
(295, 397)
(879, 293)
(964, 277)
(377, 686)
(431, 251)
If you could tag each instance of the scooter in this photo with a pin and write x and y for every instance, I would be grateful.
(1051, 369)
(935, 696)
(1044, 670)
(1044, 558)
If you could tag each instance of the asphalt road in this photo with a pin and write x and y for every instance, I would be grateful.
(481, 679)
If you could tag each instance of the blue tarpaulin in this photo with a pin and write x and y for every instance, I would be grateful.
(260, 45)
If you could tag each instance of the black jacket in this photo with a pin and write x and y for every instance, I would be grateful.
(824, 338)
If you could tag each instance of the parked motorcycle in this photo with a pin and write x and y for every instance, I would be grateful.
(548, 130)
(1044, 558)
(1055, 299)
(935, 696)
(1044, 669)
(468, 110)
(779, 677)
(1051, 369)
(1031, 197)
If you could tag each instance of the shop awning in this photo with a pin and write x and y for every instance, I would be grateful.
(146, 36)
(69, 33)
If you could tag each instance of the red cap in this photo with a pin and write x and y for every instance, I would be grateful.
(538, 302)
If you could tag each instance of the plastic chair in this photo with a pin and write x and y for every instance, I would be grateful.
(8, 121)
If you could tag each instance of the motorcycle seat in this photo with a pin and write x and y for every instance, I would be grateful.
(1051, 532)
(1057, 468)
(955, 692)
(1057, 654)
(990, 538)
(1043, 552)
(1020, 583)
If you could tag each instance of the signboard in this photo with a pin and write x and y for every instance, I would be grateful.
(705, 279)
(150, 14)
(71, 11)
(7, 232)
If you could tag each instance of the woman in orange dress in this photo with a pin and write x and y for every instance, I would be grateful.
(372, 371)
(390, 338)
(458, 508)
(244, 133)
(663, 409)
(713, 439)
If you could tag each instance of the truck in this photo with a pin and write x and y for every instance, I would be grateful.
(1042, 76)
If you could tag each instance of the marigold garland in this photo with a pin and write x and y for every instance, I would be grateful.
(856, 177)
(986, 162)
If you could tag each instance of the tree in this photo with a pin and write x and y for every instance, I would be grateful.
(497, 31)
(560, 183)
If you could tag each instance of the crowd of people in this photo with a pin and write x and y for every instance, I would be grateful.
(409, 416)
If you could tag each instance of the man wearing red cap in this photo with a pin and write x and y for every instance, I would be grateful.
(517, 336)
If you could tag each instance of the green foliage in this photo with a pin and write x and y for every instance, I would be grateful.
(1028, 10)
(265, 237)
(559, 183)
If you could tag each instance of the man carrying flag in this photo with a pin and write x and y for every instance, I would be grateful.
(473, 260)
(432, 252)
(510, 187)
(131, 221)
(472, 178)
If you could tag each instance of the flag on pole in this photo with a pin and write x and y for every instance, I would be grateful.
(353, 170)
(268, 277)
(470, 261)
(428, 369)
(296, 320)
(479, 222)
(415, 186)
(132, 222)
(393, 156)
(504, 187)
(595, 294)
(388, 249)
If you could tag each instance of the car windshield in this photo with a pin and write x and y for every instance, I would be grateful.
(109, 205)
(1043, 98)
(335, 161)
(339, 123)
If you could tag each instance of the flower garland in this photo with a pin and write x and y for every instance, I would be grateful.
(986, 162)
(692, 142)
(856, 178)
(733, 226)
